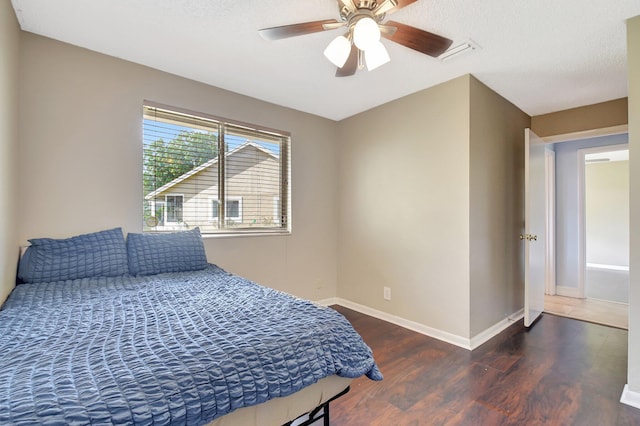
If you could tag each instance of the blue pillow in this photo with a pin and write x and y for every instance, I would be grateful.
(151, 254)
(99, 254)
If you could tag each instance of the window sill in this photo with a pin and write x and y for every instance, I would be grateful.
(246, 234)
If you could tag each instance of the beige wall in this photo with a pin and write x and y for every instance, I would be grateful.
(633, 64)
(399, 225)
(404, 207)
(380, 175)
(9, 66)
(496, 203)
(80, 161)
(597, 116)
(428, 183)
(420, 188)
(607, 213)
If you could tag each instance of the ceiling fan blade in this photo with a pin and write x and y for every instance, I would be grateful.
(286, 31)
(422, 41)
(349, 67)
(401, 4)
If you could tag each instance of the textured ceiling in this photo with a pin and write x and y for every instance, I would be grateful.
(542, 55)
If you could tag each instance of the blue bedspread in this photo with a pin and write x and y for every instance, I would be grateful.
(176, 348)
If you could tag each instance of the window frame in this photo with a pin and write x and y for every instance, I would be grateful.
(170, 114)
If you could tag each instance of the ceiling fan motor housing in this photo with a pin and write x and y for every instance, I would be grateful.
(350, 9)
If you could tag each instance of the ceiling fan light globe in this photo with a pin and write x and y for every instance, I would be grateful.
(366, 33)
(376, 56)
(338, 51)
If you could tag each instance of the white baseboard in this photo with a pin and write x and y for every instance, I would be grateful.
(630, 397)
(568, 291)
(411, 325)
(328, 302)
(463, 342)
(495, 329)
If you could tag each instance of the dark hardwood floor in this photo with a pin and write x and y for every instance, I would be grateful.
(559, 372)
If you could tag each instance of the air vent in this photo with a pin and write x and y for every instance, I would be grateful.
(459, 50)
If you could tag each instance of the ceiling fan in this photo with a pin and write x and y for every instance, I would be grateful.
(361, 43)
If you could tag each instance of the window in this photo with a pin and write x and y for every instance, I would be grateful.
(233, 210)
(215, 206)
(194, 163)
(173, 209)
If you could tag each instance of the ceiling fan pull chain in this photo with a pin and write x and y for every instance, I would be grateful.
(360, 60)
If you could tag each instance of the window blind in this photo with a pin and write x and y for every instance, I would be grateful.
(215, 174)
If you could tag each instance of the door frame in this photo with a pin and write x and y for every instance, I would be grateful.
(550, 220)
(586, 134)
(582, 213)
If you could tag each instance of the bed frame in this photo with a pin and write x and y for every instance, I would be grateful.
(308, 406)
(321, 412)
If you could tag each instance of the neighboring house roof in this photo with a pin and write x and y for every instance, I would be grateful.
(206, 165)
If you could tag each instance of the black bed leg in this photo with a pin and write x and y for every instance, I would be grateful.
(326, 415)
(311, 417)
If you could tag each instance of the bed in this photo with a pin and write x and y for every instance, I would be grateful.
(147, 332)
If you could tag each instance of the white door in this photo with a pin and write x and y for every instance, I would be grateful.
(534, 226)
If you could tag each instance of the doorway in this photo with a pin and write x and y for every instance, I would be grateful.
(606, 223)
(590, 281)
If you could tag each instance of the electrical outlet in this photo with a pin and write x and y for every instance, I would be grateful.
(387, 293)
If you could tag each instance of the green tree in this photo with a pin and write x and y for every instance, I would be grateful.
(166, 160)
